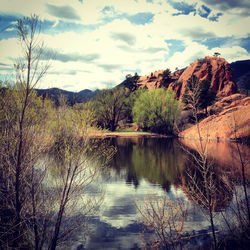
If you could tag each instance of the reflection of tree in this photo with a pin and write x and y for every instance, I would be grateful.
(193, 182)
(152, 159)
(205, 187)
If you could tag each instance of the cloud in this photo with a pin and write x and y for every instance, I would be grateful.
(110, 41)
(204, 11)
(198, 33)
(233, 6)
(4, 64)
(110, 67)
(70, 57)
(141, 18)
(64, 12)
(125, 37)
(194, 51)
(10, 29)
(183, 7)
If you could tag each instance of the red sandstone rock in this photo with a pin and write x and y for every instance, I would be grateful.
(231, 123)
(215, 69)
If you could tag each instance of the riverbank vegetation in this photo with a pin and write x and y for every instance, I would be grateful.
(41, 198)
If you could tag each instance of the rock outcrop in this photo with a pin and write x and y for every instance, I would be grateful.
(215, 69)
(156, 79)
(231, 120)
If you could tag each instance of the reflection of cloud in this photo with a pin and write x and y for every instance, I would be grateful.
(66, 12)
(10, 29)
(118, 208)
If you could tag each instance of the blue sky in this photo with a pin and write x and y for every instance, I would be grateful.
(96, 43)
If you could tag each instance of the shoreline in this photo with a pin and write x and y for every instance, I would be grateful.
(100, 134)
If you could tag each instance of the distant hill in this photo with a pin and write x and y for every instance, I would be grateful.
(72, 97)
(241, 73)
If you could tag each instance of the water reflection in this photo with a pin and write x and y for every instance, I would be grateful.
(153, 166)
(155, 160)
(206, 185)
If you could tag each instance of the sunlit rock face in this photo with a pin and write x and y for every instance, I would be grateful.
(156, 79)
(230, 121)
(215, 69)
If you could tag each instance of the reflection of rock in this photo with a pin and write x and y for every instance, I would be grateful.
(206, 186)
(235, 114)
(225, 154)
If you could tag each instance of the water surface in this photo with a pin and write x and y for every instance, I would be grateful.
(142, 167)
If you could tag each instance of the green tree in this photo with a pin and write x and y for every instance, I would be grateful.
(130, 101)
(131, 81)
(156, 110)
(110, 107)
(166, 79)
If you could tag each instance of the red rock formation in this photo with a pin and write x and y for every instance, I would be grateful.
(231, 114)
(155, 79)
(214, 69)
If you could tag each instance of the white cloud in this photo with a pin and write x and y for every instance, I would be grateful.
(194, 51)
(132, 48)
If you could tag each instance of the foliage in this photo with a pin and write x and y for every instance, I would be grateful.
(156, 110)
(39, 209)
(110, 107)
(130, 102)
(166, 79)
(131, 82)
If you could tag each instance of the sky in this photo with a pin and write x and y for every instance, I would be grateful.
(96, 43)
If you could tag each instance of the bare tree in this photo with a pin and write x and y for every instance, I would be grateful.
(35, 213)
(166, 218)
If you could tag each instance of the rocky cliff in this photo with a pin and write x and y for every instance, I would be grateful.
(231, 120)
(215, 69)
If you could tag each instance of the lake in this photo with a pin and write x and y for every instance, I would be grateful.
(144, 167)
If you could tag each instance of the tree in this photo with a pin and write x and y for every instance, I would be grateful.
(109, 107)
(156, 110)
(29, 71)
(130, 102)
(166, 79)
(198, 95)
(204, 176)
(131, 81)
(166, 218)
(217, 54)
(37, 206)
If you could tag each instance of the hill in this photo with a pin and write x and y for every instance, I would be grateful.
(72, 97)
(241, 73)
